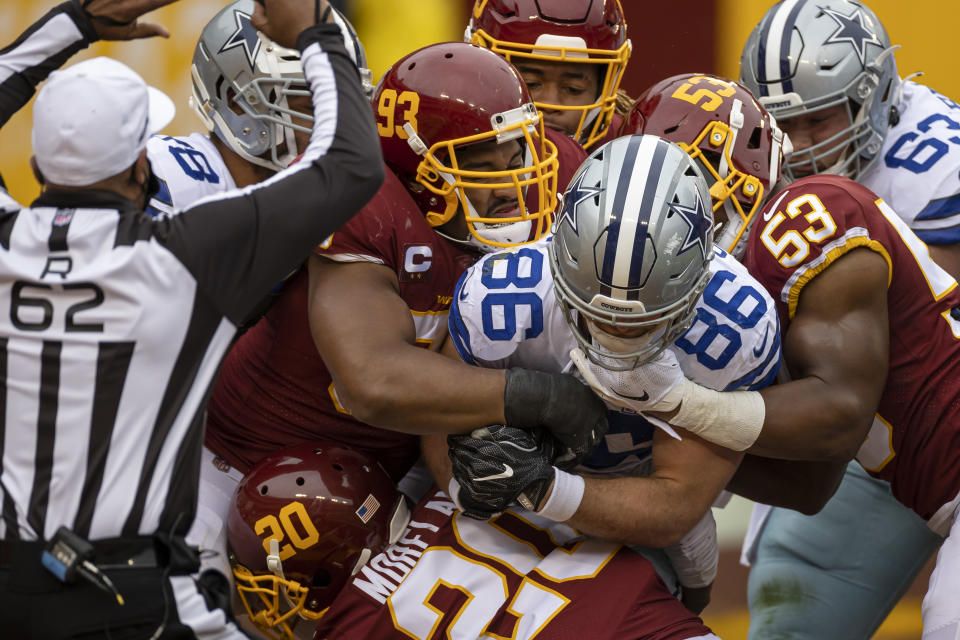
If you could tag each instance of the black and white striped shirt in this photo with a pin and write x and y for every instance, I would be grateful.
(113, 323)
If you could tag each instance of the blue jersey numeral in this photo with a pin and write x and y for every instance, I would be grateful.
(929, 150)
(509, 301)
(729, 309)
(194, 164)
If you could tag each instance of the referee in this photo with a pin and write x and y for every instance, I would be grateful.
(113, 323)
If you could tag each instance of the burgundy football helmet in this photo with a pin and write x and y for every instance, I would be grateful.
(736, 142)
(302, 522)
(440, 98)
(575, 31)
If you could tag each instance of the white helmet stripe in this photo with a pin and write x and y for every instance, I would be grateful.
(640, 178)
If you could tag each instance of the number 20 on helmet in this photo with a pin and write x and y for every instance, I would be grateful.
(302, 522)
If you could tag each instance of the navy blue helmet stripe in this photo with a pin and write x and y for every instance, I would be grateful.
(762, 53)
(785, 46)
(786, 37)
(619, 201)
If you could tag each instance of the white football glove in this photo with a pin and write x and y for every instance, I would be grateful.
(656, 385)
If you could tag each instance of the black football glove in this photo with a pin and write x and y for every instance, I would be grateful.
(560, 403)
(498, 466)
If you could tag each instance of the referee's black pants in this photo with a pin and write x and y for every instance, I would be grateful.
(159, 602)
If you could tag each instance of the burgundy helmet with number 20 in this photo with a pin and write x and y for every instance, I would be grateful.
(303, 521)
(736, 143)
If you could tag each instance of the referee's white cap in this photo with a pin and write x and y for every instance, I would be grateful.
(92, 120)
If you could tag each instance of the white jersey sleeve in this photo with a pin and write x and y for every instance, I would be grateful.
(734, 340)
(918, 171)
(188, 169)
(7, 203)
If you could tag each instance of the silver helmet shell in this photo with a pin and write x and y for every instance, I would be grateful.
(632, 245)
(242, 82)
(809, 55)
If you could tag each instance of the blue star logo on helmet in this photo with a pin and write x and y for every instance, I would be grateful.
(851, 28)
(245, 36)
(576, 193)
(699, 223)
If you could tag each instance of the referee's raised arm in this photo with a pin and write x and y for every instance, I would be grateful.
(271, 227)
(61, 32)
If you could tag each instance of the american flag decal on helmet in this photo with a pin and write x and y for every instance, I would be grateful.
(368, 508)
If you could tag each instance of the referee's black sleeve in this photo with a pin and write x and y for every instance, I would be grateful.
(239, 246)
(61, 32)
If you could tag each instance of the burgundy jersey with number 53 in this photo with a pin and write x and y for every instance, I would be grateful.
(914, 442)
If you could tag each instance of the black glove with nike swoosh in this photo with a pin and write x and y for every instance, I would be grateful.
(559, 403)
(499, 466)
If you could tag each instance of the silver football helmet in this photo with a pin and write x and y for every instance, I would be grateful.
(631, 248)
(809, 55)
(242, 82)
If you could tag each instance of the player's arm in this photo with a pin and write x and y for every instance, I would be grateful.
(504, 465)
(67, 28)
(659, 509)
(836, 348)
(837, 351)
(801, 485)
(365, 333)
(433, 448)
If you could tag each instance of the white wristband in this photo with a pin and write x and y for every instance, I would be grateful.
(565, 498)
(731, 419)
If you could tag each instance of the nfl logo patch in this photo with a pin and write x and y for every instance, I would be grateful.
(368, 508)
(63, 218)
(221, 464)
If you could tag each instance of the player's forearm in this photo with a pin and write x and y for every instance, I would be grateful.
(417, 391)
(651, 511)
(810, 419)
(434, 448)
(777, 422)
(804, 486)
